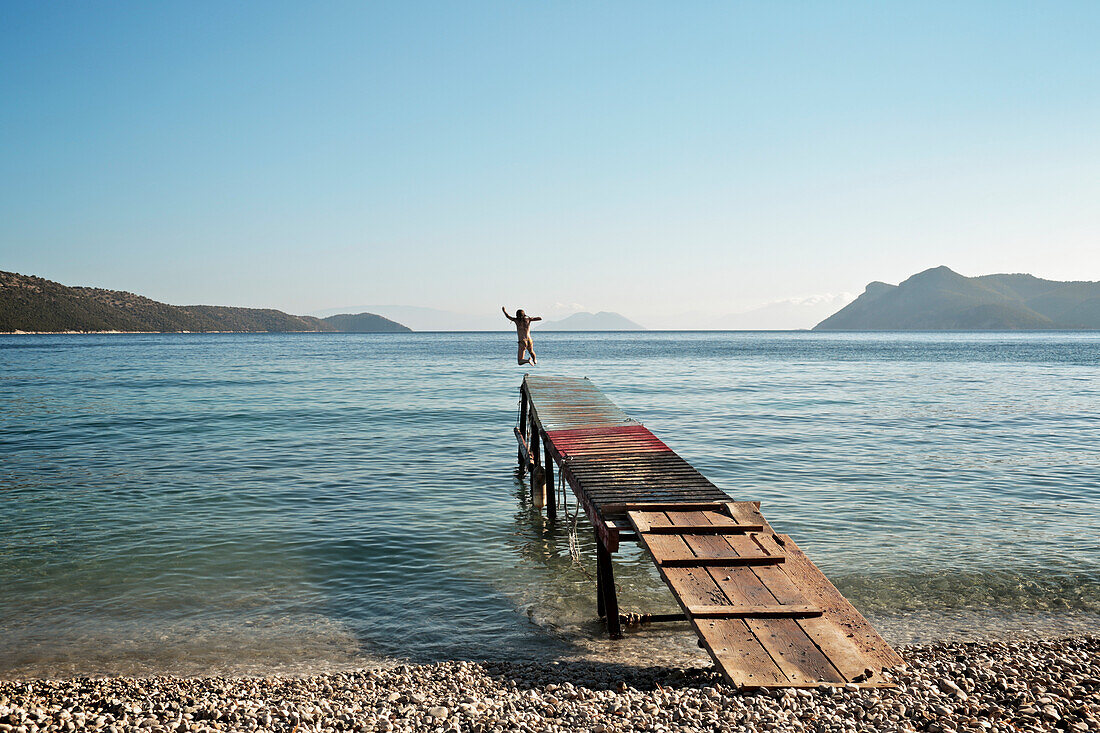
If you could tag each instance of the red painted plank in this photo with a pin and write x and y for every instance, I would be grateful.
(611, 439)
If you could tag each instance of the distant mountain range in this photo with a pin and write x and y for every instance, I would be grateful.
(941, 299)
(433, 319)
(602, 321)
(29, 303)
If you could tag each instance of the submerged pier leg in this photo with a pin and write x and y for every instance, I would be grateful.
(600, 610)
(605, 588)
(538, 474)
(548, 472)
(533, 442)
(522, 428)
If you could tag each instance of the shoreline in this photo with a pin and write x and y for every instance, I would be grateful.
(103, 333)
(973, 686)
(166, 333)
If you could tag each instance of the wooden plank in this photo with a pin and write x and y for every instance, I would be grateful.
(604, 445)
(627, 468)
(642, 506)
(596, 481)
(793, 651)
(689, 585)
(664, 460)
(633, 466)
(841, 653)
(619, 496)
(636, 475)
(524, 450)
(634, 492)
(828, 637)
(775, 611)
(706, 529)
(738, 653)
(660, 460)
(720, 562)
(717, 550)
(609, 470)
(613, 434)
(788, 644)
(817, 589)
(608, 438)
(747, 512)
(668, 549)
(629, 492)
(666, 457)
(729, 642)
(654, 486)
(608, 476)
(640, 521)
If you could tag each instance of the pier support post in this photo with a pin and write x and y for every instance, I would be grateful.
(605, 589)
(548, 472)
(522, 427)
(533, 441)
(538, 474)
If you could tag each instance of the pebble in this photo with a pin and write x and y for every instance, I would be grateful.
(998, 686)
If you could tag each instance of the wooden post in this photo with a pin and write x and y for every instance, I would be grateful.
(548, 472)
(607, 588)
(533, 441)
(521, 459)
(538, 474)
(599, 589)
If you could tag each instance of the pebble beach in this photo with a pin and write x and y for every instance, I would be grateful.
(1032, 685)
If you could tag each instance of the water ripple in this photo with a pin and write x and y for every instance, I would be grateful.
(193, 503)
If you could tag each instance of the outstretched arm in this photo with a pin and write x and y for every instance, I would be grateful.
(510, 318)
(537, 318)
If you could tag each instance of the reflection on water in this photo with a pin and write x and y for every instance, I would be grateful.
(194, 503)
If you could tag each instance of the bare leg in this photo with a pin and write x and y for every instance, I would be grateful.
(531, 351)
(519, 357)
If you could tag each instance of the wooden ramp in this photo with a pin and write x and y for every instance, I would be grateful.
(765, 613)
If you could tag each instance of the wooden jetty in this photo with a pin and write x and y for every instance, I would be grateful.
(765, 613)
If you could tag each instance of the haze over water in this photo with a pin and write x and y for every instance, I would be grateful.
(255, 503)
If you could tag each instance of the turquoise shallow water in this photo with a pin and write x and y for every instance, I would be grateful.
(204, 503)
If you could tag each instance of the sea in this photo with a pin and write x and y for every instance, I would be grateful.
(195, 504)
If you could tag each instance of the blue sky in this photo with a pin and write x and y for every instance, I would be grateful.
(648, 158)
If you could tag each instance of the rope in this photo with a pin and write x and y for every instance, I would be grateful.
(574, 544)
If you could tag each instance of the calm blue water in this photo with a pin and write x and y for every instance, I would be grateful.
(195, 503)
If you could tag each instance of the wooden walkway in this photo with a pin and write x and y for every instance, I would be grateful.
(765, 613)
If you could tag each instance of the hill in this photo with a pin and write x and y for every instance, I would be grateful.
(602, 321)
(419, 318)
(941, 299)
(364, 323)
(29, 303)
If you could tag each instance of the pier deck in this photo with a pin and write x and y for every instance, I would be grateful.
(762, 610)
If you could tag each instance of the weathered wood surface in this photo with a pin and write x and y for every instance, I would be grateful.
(765, 613)
(769, 625)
